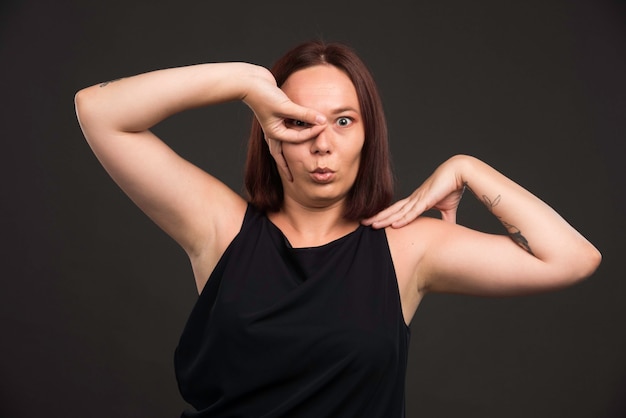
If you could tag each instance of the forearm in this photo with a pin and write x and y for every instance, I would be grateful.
(137, 103)
(530, 222)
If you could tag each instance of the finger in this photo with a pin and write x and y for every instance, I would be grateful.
(276, 150)
(415, 206)
(406, 219)
(384, 213)
(305, 114)
(301, 135)
(390, 215)
(315, 123)
(410, 215)
(281, 163)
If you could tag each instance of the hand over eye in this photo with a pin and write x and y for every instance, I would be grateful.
(282, 120)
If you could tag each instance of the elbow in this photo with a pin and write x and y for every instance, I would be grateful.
(86, 108)
(575, 267)
(592, 262)
(81, 104)
(586, 264)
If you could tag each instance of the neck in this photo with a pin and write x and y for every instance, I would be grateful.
(307, 227)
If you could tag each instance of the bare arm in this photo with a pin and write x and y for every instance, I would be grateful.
(194, 208)
(542, 251)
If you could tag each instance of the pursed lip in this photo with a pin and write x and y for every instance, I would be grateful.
(322, 175)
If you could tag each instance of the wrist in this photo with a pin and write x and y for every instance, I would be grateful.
(252, 76)
(463, 166)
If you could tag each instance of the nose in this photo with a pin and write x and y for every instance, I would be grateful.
(322, 143)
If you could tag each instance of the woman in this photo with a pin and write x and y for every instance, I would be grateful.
(306, 287)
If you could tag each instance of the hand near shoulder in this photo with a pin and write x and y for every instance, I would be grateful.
(441, 191)
(540, 250)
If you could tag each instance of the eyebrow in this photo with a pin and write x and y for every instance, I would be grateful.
(344, 109)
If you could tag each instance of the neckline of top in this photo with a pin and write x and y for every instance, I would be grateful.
(322, 246)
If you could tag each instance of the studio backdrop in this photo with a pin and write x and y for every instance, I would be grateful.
(93, 296)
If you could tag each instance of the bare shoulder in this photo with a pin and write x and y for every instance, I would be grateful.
(409, 244)
(416, 236)
(421, 224)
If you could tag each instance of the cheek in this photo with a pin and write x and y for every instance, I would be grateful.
(356, 152)
(293, 153)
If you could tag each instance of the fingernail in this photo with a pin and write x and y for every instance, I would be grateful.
(320, 119)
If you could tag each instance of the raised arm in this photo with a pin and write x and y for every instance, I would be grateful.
(541, 252)
(194, 208)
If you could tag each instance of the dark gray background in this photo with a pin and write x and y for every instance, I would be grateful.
(93, 296)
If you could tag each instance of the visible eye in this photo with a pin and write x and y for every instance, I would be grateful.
(344, 121)
(295, 123)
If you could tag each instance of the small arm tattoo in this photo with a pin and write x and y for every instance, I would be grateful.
(490, 204)
(513, 231)
(516, 236)
(106, 83)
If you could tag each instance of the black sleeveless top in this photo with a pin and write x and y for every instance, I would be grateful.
(296, 332)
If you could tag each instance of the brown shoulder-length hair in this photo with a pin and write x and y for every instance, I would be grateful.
(373, 188)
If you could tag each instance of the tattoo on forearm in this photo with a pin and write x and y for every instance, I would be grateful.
(106, 83)
(516, 236)
(491, 203)
(513, 231)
